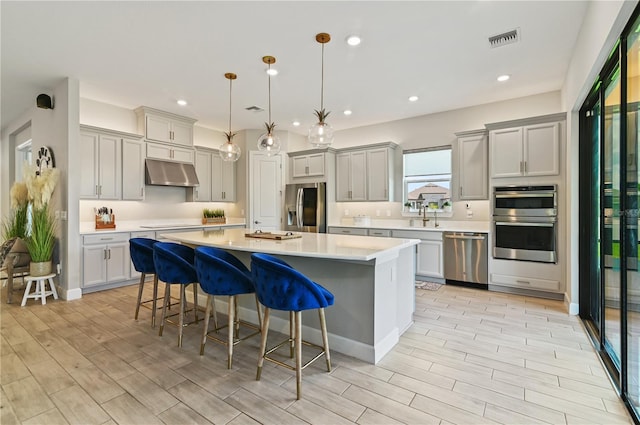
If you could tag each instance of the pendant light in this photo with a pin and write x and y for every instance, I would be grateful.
(269, 142)
(229, 151)
(321, 133)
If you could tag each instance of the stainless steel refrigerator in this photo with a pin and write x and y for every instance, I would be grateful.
(305, 207)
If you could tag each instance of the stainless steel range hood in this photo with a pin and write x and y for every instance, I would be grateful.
(167, 173)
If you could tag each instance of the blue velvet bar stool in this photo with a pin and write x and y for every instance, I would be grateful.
(174, 266)
(141, 250)
(221, 273)
(279, 286)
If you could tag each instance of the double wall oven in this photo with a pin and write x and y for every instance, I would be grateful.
(525, 220)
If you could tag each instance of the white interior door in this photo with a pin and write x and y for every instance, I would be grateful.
(265, 191)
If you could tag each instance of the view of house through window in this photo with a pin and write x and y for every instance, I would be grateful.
(427, 178)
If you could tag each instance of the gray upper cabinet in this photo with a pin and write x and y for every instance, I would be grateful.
(369, 173)
(473, 165)
(160, 126)
(526, 148)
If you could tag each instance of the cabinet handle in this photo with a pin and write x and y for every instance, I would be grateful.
(100, 190)
(106, 239)
(104, 254)
(224, 195)
(524, 167)
(525, 282)
(142, 191)
(109, 254)
(461, 191)
(96, 191)
(306, 169)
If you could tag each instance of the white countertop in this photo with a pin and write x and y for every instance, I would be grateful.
(314, 245)
(444, 225)
(88, 227)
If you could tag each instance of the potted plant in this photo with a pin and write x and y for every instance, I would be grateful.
(41, 235)
(14, 230)
(213, 216)
(407, 206)
(446, 206)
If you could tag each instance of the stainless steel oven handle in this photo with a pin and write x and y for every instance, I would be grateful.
(299, 207)
(520, 223)
(524, 195)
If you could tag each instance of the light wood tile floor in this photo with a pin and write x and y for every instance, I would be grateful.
(472, 357)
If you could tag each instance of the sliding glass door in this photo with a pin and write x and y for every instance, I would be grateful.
(632, 321)
(609, 193)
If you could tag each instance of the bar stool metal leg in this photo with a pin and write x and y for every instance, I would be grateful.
(167, 295)
(325, 338)
(140, 286)
(298, 345)
(263, 341)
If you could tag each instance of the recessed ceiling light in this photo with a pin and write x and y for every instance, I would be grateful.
(347, 112)
(182, 102)
(413, 98)
(353, 40)
(272, 71)
(296, 123)
(504, 77)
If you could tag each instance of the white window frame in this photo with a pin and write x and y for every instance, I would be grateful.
(426, 178)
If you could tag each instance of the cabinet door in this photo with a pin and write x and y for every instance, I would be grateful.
(110, 167)
(299, 166)
(132, 170)
(223, 185)
(358, 164)
(94, 270)
(472, 167)
(89, 165)
(429, 260)
(228, 181)
(182, 154)
(343, 171)
(202, 193)
(158, 151)
(506, 152)
(158, 128)
(378, 175)
(182, 133)
(315, 164)
(118, 262)
(542, 149)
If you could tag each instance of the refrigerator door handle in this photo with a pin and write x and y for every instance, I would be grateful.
(299, 207)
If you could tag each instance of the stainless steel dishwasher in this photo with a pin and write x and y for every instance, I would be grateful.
(465, 258)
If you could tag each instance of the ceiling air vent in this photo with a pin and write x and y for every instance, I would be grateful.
(505, 38)
(254, 108)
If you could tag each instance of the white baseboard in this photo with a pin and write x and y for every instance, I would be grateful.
(70, 294)
(572, 308)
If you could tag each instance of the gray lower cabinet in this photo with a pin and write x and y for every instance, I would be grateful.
(429, 254)
(105, 259)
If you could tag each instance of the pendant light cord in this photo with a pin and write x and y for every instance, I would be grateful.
(269, 74)
(230, 87)
(322, 81)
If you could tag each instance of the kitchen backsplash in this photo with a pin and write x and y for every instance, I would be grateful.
(394, 210)
(159, 203)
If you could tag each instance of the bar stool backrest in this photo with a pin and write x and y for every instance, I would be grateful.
(174, 263)
(281, 287)
(141, 250)
(221, 273)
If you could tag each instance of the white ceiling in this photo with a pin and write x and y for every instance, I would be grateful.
(152, 53)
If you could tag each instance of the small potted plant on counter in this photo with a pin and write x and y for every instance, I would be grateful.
(213, 216)
(407, 206)
(446, 206)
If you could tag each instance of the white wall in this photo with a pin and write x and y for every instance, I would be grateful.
(603, 23)
(57, 129)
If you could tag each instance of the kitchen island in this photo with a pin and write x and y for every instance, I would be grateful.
(372, 279)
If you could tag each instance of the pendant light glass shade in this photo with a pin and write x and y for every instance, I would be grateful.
(229, 151)
(269, 142)
(321, 133)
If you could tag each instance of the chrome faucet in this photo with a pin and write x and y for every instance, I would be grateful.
(435, 215)
(424, 215)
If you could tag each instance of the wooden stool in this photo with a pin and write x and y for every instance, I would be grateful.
(40, 290)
